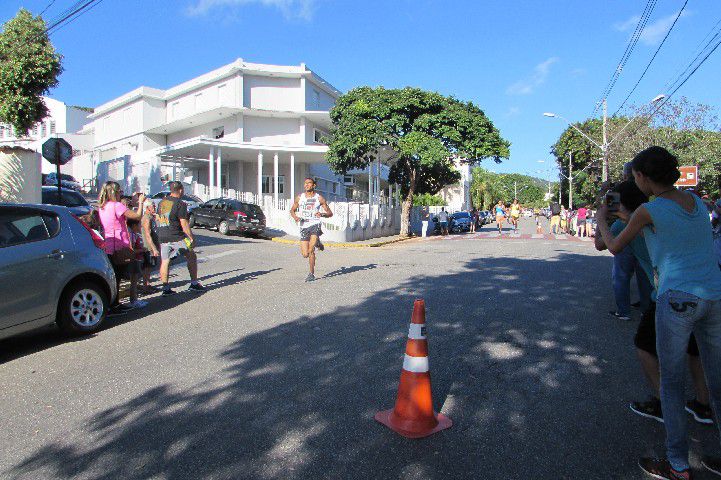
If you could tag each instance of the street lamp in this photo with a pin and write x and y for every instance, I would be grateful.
(605, 144)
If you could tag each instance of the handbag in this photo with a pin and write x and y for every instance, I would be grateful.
(122, 256)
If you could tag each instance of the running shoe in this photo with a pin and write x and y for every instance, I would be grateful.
(196, 287)
(620, 316)
(661, 469)
(712, 464)
(320, 246)
(139, 304)
(119, 310)
(310, 277)
(168, 292)
(701, 413)
(649, 409)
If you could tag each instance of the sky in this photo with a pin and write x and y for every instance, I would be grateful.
(515, 59)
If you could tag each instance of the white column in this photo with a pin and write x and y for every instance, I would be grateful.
(241, 179)
(275, 180)
(390, 194)
(211, 171)
(218, 177)
(292, 177)
(260, 177)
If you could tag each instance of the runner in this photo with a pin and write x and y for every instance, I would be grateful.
(515, 214)
(500, 216)
(310, 204)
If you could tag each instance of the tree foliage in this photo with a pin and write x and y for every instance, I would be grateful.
(421, 134)
(426, 199)
(690, 131)
(29, 67)
(488, 187)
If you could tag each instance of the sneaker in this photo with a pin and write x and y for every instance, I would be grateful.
(310, 277)
(661, 469)
(138, 304)
(168, 292)
(619, 315)
(701, 413)
(649, 409)
(712, 464)
(118, 310)
(196, 287)
(320, 246)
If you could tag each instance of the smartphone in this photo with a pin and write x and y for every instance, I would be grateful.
(613, 201)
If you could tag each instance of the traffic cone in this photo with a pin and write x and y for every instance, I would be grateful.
(413, 415)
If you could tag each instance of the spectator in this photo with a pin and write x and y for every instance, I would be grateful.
(425, 217)
(645, 338)
(150, 240)
(113, 216)
(716, 225)
(564, 219)
(443, 219)
(676, 227)
(555, 209)
(581, 216)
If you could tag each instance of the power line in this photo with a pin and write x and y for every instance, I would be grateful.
(48, 6)
(97, 2)
(70, 15)
(640, 26)
(652, 58)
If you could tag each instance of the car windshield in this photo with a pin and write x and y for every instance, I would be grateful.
(65, 176)
(69, 199)
(461, 215)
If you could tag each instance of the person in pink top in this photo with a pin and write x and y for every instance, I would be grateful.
(581, 215)
(113, 216)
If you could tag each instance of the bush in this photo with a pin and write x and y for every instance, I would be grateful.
(428, 200)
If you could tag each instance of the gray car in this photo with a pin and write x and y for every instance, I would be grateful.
(52, 269)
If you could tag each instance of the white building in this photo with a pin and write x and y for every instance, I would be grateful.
(63, 121)
(246, 130)
(458, 195)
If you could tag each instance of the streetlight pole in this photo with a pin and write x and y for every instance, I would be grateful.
(604, 151)
(570, 180)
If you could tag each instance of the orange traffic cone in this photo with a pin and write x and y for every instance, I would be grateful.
(413, 415)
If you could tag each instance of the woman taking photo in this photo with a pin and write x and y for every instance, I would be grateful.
(677, 232)
(113, 216)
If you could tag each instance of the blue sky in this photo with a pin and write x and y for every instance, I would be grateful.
(515, 59)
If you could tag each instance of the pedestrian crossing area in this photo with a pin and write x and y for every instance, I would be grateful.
(509, 236)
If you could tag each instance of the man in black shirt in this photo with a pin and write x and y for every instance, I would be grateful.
(176, 237)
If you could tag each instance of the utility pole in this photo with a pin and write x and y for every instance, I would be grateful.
(515, 189)
(570, 180)
(604, 145)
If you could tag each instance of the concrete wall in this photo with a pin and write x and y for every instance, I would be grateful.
(219, 93)
(316, 98)
(271, 131)
(272, 93)
(20, 176)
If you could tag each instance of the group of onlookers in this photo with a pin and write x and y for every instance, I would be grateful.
(580, 222)
(671, 243)
(140, 237)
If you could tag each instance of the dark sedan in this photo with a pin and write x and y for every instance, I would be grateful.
(229, 215)
(75, 202)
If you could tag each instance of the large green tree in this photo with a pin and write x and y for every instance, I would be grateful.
(29, 67)
(421, 134)
(690, 131)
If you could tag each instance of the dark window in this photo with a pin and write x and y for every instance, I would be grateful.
(220, 205)
(52, 223)
(17, 228)
(69, 199)
(210, 203)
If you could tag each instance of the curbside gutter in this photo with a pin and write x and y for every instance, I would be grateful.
(346, 244)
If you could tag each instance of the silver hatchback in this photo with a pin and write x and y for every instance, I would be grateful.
(52, 269)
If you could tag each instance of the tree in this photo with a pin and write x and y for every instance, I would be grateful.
(29, 67)
(488, 187)
(422, 134)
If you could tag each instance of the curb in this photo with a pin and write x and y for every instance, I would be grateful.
(346, 244)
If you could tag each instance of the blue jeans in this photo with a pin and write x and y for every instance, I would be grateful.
(677, 315)
(624, 265)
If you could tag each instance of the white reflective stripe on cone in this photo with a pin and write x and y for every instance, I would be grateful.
(417, 331)
(415, 364)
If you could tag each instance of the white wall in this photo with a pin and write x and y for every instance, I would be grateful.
(272, 93)
(230, 125)
(220, 93)
(119, 123)
(272, 131)
(75, 120)
(20, 176)
(316, 98)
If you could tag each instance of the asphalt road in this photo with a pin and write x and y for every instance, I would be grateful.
(267, 377)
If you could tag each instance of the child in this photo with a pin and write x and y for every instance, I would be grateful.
(142, 255)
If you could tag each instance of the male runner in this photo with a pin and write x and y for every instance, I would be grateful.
(309, 204)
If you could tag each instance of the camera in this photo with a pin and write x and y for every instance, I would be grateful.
(613, 201)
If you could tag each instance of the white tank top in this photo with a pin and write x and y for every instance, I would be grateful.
(307, 208)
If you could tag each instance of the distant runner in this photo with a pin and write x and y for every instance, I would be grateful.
(500, 211)
(515, 214)
(309, 206)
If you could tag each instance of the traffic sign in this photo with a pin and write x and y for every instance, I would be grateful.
(689, 176)
(57, 151)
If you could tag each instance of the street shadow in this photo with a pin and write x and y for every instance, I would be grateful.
(203, 238)
(536, 381)
(347, 270)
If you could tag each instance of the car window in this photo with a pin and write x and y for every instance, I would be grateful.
(70, 199)
(160, 195)
(17, 228)
(188, 198)
(220, 205)
(52, 223)
(210, 203)
(65, 176)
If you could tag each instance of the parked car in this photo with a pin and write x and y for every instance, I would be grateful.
(229, 215)
(191, 200)
(52, 269)
(66, 181)
(75, 202)
(460, 222)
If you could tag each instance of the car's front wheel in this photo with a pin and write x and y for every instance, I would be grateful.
(82, 309)
(224, 228)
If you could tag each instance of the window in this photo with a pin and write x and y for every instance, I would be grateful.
(268, 184)
(35, 130)
(42, 129)
(2, 131)
(348, 180)
(316, 99)
(210, 203)
(52, 127)
(218, 132)
(198, 99)
(318, 135)
(18, 227)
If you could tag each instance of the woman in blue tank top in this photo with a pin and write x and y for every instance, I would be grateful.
(677, 231)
